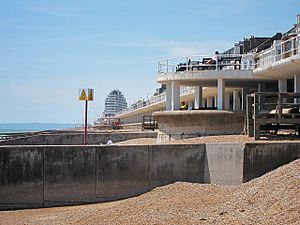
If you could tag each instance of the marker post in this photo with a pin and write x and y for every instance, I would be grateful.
(86, 95)
(85, 122)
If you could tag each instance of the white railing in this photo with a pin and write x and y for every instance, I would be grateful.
(155, 99)
(278, 52)
(199, 62)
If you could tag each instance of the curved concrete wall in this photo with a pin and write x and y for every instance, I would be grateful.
(185, 124)
(77, 138)
(42, 176)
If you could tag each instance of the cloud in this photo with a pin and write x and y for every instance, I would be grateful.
(174, 48)
(186, 48)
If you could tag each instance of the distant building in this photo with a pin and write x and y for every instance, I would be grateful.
(114, 102)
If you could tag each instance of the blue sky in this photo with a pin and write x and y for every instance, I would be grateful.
(50, 49)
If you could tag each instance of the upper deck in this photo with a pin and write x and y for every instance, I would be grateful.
(282, 60)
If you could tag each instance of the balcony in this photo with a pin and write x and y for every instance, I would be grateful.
(282, 60)
(197, 68)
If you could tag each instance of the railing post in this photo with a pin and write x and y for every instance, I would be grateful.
(279, 107)
(187, 63)
(249, 116)
(256, 118)
(167, 66)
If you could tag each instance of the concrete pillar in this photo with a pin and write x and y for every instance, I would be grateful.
(175, 103)
(297, 87)
(227, 100)
(215, 101)
(210, 102)
(198, 97)
(282, 87)
(221, 93)
(236, 100)
(168, 96)
(262, 99)
(245, 92)
(190, 105)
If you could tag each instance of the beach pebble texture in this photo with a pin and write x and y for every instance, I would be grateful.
(271, 199)
(213, 139)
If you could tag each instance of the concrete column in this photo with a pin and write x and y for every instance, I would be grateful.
(221, 93)
(215, 101)
(227, 100)
(262, 99)
(168, 97)
(236, 100)
(210, 101)
(175, 103)
(190, 105)
(297, 87)
(282, 87)
(198, 97)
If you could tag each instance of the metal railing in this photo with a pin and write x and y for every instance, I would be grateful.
(155, 99)
(199, 62)
(271, 111)
(278, 52)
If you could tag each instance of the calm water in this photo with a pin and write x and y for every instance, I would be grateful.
(28, 127)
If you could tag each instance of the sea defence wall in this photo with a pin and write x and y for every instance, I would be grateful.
(44, 176)
(174, 125)
(71, 138)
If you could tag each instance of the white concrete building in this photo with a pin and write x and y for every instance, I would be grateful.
(115, 102)
(255, 64)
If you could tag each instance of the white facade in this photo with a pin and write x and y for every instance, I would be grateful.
(114, 103)
(224, 85)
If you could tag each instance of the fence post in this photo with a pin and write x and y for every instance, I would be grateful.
(256, 118)
(249, 115)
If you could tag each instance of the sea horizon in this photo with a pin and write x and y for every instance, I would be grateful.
(30, 127)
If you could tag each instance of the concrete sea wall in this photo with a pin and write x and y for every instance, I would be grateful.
(77, 138)
(43, 176)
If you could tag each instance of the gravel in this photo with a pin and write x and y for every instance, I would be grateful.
(271, 199)
(213, 139)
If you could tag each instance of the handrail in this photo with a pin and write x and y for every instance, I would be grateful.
(156, 99)
(278, 52)
(188, 62)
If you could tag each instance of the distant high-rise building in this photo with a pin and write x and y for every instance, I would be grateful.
(114, 102)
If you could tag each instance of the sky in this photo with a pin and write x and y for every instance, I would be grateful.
(51, 49)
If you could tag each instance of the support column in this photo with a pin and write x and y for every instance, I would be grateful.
(215, 101)
(262, 99)
(297, 87)
(198, 97)
(210, 102)
(236, 101)
(221, 93)
(175, 103)
(282, 87)
(168, 97)
(190, 105)
(245, 92)
(227, 100)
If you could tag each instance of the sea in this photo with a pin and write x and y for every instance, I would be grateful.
(6, 128)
